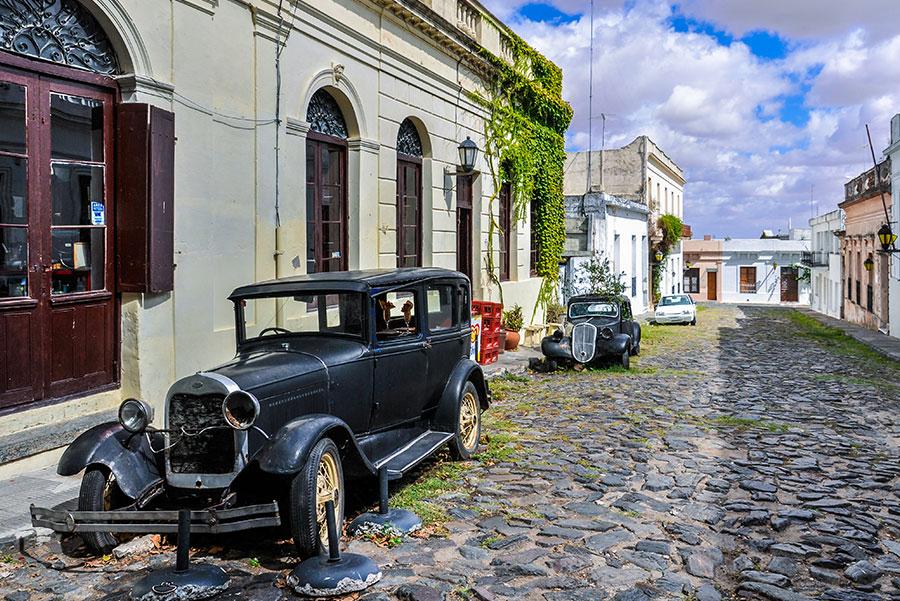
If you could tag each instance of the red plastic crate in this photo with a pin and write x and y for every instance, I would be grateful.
(488, 357)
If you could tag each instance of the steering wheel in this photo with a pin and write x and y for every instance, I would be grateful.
(275, 330)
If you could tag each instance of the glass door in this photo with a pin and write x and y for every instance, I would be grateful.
(57, 311)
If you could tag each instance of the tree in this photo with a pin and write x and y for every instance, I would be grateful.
(597, 277)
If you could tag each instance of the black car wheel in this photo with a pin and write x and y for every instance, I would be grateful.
(320, 480)
(626, 359)
(468, 424)
(636, 349)
(99, 492)
(694, 321)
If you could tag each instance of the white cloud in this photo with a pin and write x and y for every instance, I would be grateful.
(715, 109)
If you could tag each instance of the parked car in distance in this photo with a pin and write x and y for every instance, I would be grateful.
(337, 376)
(676, 308)
(597, 327)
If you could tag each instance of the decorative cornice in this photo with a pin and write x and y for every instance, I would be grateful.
(270, 25)
(207, 6)
(364, 145)
(136, 84)
(296, 127)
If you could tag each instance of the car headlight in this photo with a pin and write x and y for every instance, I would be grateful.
(240, 409)
(606, 332)
(135, 415)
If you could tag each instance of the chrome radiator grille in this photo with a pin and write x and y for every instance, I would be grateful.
(584, 340)
(213, 451)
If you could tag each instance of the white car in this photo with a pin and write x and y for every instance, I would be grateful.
(676, 308)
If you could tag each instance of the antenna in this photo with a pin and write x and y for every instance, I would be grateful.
(591, 106)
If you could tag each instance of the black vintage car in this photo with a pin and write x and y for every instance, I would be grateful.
(365, 371)
(597, 327)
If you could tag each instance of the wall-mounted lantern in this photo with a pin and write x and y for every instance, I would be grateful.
(869, 264)
(468, 155)
(887, 238)
(658, 256)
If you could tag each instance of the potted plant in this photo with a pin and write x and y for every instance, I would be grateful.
(512, 323)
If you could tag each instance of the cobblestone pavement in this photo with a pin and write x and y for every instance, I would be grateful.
(754, 456)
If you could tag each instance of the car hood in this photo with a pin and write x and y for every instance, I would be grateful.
(673, 309)
(264, 368)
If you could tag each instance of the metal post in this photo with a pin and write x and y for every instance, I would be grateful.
(334, 551)
(182, 557)
(383, 491)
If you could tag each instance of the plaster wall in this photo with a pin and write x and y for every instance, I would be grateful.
(826, 282)
(705, 256)
(213, 63)
(893, 152)
(863, 218)
(769, 257)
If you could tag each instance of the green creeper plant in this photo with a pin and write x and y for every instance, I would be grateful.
(524, 146)
(671, 228)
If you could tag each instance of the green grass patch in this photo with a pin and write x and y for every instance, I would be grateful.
(746, 423)
(835, 340)
(419, 496)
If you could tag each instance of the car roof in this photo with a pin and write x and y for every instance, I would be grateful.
(590, 298)
(364, 280)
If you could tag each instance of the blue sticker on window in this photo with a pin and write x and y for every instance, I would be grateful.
(98, 214)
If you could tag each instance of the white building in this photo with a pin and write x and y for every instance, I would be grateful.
(893, 153)
(764, 270)
(824, 261)
(613, 228)
(642, 173)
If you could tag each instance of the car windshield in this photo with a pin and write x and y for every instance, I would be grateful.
(595, 309)
(669, 301)
(333, 314)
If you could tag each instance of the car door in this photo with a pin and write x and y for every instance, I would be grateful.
(627, 319)
(401, 360)
(446, 343)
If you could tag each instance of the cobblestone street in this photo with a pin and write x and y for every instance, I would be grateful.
(753, 456)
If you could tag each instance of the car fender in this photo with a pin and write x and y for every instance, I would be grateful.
(636, 336)
(126, 455)
(285, 453)
(616, 345)
(465, 370)
(557, 348)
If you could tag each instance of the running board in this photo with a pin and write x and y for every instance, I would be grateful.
(413, 454)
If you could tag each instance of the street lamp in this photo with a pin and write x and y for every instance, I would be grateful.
(658, 256)
(468, 154)
(869, 264)
(887, 238)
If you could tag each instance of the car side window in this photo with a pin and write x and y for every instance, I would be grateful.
(395, 315)
(626, 311)
(464, 306)
(439, 303)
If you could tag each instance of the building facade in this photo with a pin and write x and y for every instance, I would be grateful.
(606, 226)
(703, 268)
(867, 204)
(639, 172)
(824, 262)
(310, 136)
(749, 270)
(893, 154)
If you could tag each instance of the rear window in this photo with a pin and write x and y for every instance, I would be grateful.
(669, 301)
(595, 309)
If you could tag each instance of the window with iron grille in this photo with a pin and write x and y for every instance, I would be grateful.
(692, 280)
(535, 243)
(849, 289)
(858, 295)
(633, 286)
(870, 299)
(505, 231)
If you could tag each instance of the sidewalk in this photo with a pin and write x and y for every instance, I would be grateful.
(511, 362)
(881, 343)
(43, 488)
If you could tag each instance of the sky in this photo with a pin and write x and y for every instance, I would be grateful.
(763, 103)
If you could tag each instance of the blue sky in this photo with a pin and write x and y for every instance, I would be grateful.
(761, 103)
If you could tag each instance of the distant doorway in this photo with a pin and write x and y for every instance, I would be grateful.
(789, 285)
(712, 285)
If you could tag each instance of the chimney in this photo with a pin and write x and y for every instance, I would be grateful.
(707, 237)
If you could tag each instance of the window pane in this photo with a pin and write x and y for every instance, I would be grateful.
(77, 261)
(13, 262)
(395, 315)
(78, 195)
(310, 163)
(331, 166)
(333, 314)
(13, 190)
(76, 128)
(12, 118)
(440, 307)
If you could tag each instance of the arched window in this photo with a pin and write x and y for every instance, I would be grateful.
(326, 185)
(409, 196)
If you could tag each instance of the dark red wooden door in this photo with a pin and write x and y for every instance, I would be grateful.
(790, 292)
(409, 213)
(464, 225)
(57, 307)
(326, 205)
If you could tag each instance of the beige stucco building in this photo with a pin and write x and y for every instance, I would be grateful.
(867, 200)
(294, 123)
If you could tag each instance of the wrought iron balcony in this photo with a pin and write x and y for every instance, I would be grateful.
(815, 259)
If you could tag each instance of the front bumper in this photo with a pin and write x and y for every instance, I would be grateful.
(673, 318)
(206, 521)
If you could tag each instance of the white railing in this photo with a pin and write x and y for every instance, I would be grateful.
(468, 18)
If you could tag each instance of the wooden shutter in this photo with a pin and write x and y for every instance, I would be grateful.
(748, 279)
(146, 198)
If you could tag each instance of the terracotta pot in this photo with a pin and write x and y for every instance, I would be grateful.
(512, 340)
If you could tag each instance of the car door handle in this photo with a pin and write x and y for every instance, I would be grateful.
(426, 345)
